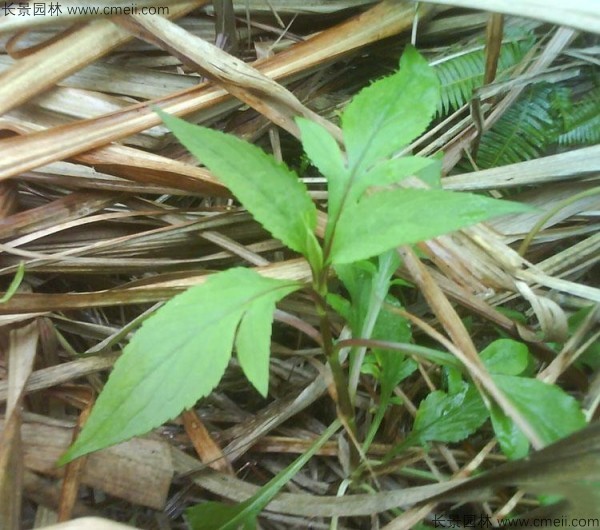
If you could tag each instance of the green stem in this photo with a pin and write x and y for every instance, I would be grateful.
(344, 404)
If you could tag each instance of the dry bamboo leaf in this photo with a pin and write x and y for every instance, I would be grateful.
(8, 199)
(573, 347)
(494, 35)
(140, 166)
(72, 206)
(461, 259)
(239, 79)
(551, 317)
(138, 470)
(312, 7)
(20, 355)
(547, 199)
(207, 449)
(79, 177)
(518, 331)
(247, 433)
(74, 469)
(11, 470)
(33, 150)
(579, 163)
(62, 373)
(68, 11)
(296, 269)
(45, 492)
(116, 79)
(580, 14)
(581, 254)
(35, 73)
(59, 105)
(586, 292)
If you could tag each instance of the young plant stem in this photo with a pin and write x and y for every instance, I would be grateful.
(344, 404)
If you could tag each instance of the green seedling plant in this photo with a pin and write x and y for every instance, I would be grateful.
(181, 352)
(457, 413)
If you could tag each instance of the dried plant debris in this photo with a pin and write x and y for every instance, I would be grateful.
(311, 331)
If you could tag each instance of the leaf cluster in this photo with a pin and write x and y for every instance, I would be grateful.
(181, 352)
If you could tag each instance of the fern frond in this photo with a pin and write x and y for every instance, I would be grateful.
(582, 121)
(525, 130)
(460, 74)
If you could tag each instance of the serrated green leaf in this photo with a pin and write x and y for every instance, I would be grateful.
(449, 418)
(340, 305)
(551, 412)
(217, 516)
(313, 252)
(390, 113)
(432, 174)
(454, 379)
(321, 148)
(178, 356)
(358, 280)
(405, 216)
(253, 343)
(513, 442)
(269, 190)
(506, 357)
(394, 366)
(326, 156)
(387, 172)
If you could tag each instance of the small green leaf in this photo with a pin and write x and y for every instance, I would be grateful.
(390, 113)
(220, 516)
(358, 280)
(314, 252)
(387, 172)
(454, 379)
(394, 366)
(340, 305)
(449, 418)
(390, 367)
(217, 516)
(432, 174)
(550, 411)
(14, 284)
(326, 156)
(253, 343)
(513, 442)
(270, 191)
(405, 216)
(180, 354)
(506, 357)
